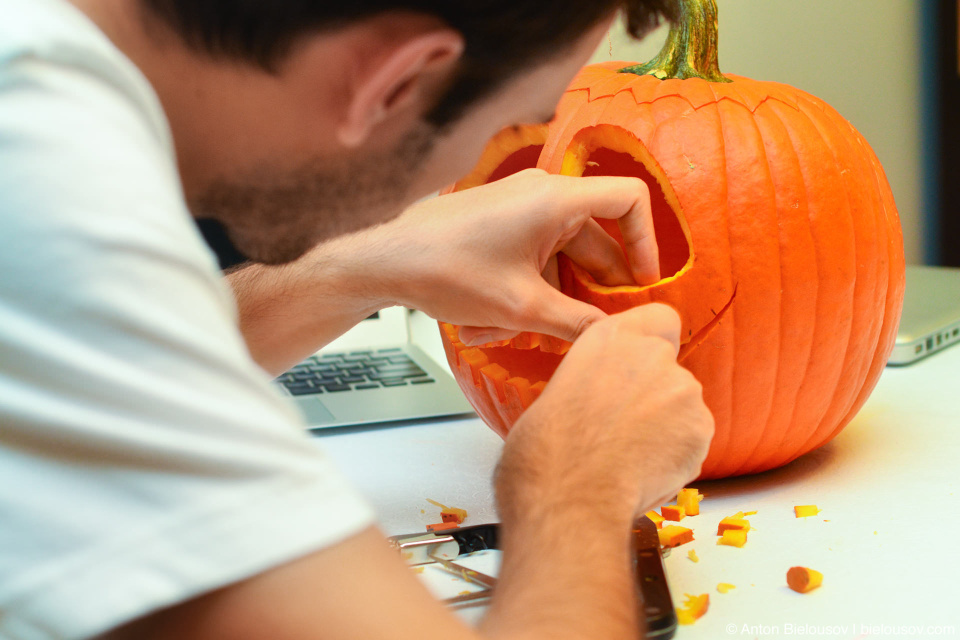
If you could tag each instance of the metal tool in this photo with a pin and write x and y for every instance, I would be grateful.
(470, 575)
(420, 549)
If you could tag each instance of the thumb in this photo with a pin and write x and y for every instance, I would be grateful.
(557, 314)
(654, 319)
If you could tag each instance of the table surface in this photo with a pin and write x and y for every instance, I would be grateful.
(886, 539)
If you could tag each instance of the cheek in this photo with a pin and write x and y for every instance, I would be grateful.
(452, 158)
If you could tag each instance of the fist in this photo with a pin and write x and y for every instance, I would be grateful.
(620, 423)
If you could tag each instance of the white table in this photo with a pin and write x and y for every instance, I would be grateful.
(887, 540)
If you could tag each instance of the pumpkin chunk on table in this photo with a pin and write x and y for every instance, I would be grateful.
(802, 579)
(733, 538)
(689, 499)
(693, 608)
(675, 535)
(656, 518)
(806, 510)
(735, 524)
(672, 512)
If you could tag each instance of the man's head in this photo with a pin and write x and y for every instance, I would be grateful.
(300, 120)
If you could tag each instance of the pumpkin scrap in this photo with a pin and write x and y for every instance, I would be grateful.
(449, 514)
(693, 555)
(734, 523)
(779, 242)
(725, 587)
(802, 579)
(672, 512)
(442, 526)
(805, 511)
(673, 536)
(452, 514)
(656, 518)
(733, 538)
(693, 608)
(689, 501)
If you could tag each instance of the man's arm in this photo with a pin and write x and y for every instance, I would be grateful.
(473, 258)
(586, 451)
(290, 311)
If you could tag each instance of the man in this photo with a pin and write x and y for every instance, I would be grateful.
(154, 486)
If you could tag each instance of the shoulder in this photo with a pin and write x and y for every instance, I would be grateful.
(89, 176)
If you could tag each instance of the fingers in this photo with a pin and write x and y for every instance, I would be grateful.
(597, 252)
(626, 200)
(525, 173)
(559, 315)
(641, 243)
(475, 336)
(654, 320)
(551, 272)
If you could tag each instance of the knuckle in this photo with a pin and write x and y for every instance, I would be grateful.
(525, 308)
(532, 172)
(643, 188)
(664, 311)
(661, 350)
(584, 323)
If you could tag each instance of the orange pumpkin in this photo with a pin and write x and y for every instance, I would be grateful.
(780, 245)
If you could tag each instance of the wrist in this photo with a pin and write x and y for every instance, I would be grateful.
(348, 271)
(531, 489)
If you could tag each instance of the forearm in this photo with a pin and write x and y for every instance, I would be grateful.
(565, 577)
(567, 570)
(290, 311)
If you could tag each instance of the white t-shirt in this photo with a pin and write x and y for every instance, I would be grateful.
(144, 457)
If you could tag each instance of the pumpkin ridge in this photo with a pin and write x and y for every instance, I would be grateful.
(721, 438)
(850, 308)
(762, 407)
(773, 132)
(803, 402)
(894, 258)
(776, 457)
(857, 148)
(819, 432)
(742, 389)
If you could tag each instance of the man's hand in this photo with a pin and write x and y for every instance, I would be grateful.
(481, 258)
(486, 257)
(619, 430)
(620, 424)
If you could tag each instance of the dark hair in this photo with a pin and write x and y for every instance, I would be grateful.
(502, 37)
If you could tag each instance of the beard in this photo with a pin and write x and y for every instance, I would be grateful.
(274, 217)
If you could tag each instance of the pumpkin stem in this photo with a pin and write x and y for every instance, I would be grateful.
(691, 48)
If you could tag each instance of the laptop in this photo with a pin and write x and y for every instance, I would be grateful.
(372, 375)
(931, 314)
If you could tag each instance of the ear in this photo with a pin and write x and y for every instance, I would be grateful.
(405, 74)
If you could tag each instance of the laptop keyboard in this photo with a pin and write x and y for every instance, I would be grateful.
(356, 370)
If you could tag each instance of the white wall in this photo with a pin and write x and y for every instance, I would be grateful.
(861, 56)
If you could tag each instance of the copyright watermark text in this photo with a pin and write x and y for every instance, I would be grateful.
(788, 629)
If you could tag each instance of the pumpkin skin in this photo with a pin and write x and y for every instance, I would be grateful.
(781, 250)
